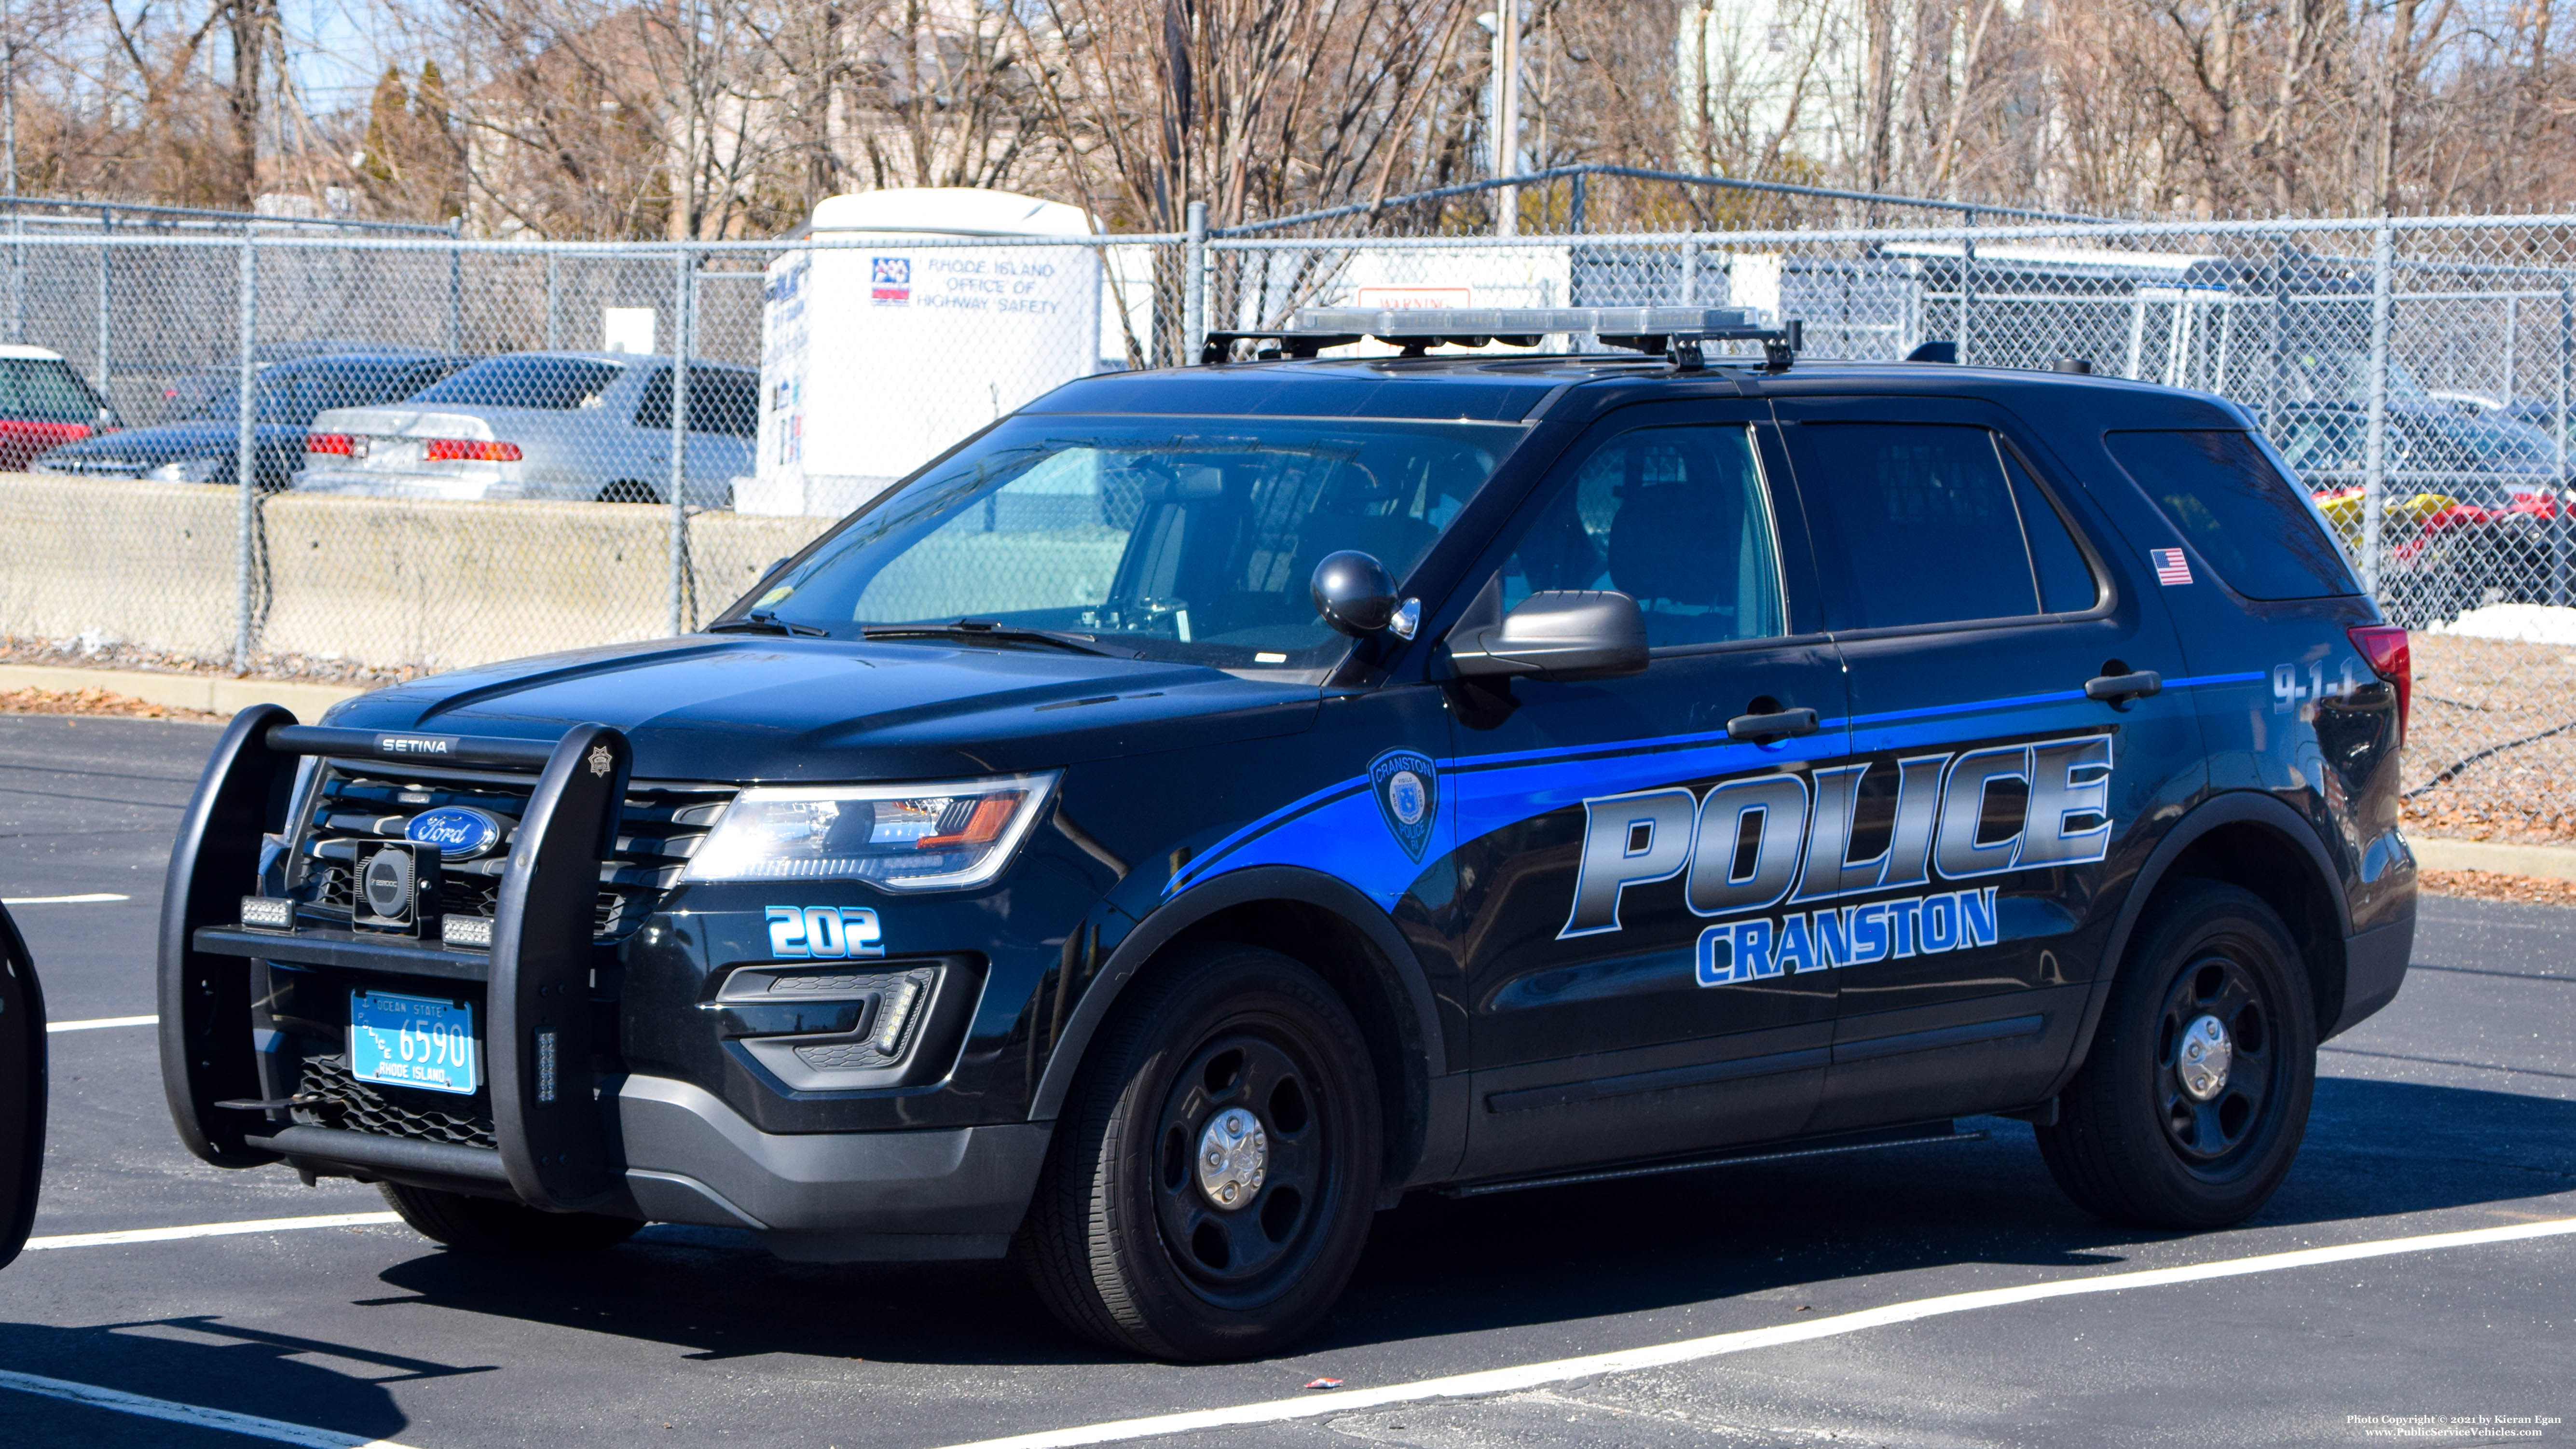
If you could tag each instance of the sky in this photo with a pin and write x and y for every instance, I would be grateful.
(333, 50)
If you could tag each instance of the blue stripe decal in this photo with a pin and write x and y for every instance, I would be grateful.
(1208, 857)
(1338, 830)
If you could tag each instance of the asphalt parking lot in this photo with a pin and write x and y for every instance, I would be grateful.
(1792, 1303)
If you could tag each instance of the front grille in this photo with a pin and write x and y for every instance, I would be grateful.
(358, 802)
(327, 1096)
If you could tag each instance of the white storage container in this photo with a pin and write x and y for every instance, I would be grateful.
(876, 358)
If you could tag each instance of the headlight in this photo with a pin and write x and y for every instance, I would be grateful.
(902, 837)
(188, 470)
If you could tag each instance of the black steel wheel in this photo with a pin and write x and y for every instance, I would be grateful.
(2194, 1097)
(2217, 1059)
(1214, 1174)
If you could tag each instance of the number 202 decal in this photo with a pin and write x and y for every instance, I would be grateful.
(830, 933)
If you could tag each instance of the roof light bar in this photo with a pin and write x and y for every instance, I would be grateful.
(1676, 332)
(1403, 324)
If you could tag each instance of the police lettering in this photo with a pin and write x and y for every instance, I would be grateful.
(1746, 843)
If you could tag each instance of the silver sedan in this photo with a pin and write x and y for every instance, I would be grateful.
(560, 425)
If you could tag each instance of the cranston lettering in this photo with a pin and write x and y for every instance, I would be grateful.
(1803, 941)
(1748, 844)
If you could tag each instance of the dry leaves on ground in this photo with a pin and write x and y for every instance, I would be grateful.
(95, 702)
(2496, 885)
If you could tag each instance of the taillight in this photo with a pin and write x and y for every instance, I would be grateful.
(471, 450)
(336, 444)
(2384, 646)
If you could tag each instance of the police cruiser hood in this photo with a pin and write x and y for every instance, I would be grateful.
(754, 709)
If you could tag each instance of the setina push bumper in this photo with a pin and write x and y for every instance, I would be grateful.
(340, 991)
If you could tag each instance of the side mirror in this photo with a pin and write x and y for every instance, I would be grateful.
(1354, 593)
(22, 1090)
(1558, 635)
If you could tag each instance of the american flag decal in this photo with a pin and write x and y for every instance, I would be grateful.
(2171, 567)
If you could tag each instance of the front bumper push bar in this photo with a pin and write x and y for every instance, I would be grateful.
(555, 1147)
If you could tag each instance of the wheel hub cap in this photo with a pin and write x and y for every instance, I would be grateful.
(1234, 1155)
(2204, 1059)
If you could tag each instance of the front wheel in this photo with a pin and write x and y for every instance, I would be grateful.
(2194, 1099)
(1216, 1169)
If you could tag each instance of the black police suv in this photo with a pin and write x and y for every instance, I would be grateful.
(1210, 803)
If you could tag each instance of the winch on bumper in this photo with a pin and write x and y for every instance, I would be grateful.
(294, 900)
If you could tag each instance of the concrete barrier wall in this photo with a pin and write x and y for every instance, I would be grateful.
(378, 581)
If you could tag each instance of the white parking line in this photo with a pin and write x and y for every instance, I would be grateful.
(274, 1430)
(88, 900)
(95, 1022)
(1510, 1380)
(210, 1230)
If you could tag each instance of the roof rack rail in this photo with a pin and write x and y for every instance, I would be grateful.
(1679, 333)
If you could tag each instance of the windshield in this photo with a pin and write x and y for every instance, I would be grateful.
(1174, 538)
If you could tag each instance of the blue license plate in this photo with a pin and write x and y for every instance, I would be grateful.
(412, 1041)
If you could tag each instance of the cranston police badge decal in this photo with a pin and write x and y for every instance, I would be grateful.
(1405, 783)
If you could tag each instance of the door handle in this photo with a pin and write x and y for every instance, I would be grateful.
(1763, 728)
(2116, 690)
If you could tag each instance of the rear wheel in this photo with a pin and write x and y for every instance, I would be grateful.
(498, 1229)
(1215, 1172)
(2194, 1099)
(628, 490)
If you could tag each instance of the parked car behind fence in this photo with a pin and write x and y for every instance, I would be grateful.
(43, 405)
(205, 447)
(562, 425)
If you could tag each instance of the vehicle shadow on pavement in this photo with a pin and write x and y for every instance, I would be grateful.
(1795, 1230)
(205, 1362)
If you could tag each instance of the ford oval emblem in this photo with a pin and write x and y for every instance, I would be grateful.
(460, 832)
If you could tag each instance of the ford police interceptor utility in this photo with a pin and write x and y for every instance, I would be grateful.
(1210, 803)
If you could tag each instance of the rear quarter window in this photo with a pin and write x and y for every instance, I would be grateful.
(554, 384)
(2254, 527)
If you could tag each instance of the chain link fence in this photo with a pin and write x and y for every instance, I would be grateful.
(374, 456)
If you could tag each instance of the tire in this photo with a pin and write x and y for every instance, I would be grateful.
(1128, 1240)
(2136, 1140)
(490, 1228)
(628, 490)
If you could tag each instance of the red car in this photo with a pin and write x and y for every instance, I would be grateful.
(43, 405)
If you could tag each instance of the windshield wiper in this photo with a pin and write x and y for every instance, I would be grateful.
(764, 622)
(985, 631)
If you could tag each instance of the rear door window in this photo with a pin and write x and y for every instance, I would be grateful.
(1927, 523)
(723, 402)
(2253, 526)
(719, 402)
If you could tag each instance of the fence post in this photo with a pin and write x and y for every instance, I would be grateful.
(2374, 484)
(245, 449)
(2558, 412)
(455, 290)
(682, 325)
(1194, 263)
(106, 254)
(1967, 285)
(554, 302)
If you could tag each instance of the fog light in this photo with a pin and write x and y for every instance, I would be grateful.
(267, 913)
(894, 1013)
(473, 933)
